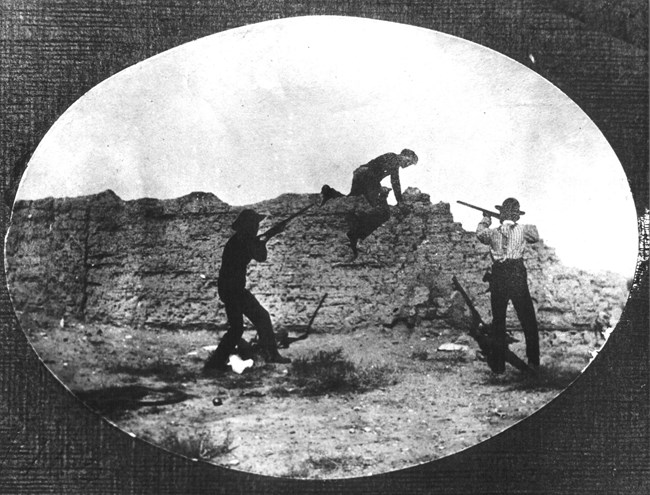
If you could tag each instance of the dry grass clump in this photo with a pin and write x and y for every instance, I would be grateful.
(197, 446)
(321, 466)
(330, 372)
(553, 376)
(556, 376)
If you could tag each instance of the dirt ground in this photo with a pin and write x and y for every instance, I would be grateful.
(422, 404)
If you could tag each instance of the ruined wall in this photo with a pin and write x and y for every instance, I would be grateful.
(154, 262)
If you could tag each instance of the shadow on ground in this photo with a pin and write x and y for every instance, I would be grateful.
(111, 401)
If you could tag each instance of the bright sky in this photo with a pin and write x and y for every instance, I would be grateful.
(288, 105)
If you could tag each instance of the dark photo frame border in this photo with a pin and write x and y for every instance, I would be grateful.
(593, 438)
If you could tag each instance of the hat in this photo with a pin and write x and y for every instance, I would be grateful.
(510, 205)
(247, 217)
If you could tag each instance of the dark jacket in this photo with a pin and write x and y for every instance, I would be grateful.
(237, 254)
(372, 173)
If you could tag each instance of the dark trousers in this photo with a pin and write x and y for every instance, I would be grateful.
(363, 184)
(361, 224)
(509, 283)
(239, 304)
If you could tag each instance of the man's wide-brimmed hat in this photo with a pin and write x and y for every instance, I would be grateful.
(247, 218)
(510, 205)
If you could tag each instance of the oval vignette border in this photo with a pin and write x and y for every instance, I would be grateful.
(595, 429)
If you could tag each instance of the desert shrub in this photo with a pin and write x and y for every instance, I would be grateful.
(549, 377)
(329, 372)
(329, 464)
(556, 376)
(318, 467)
(199, 446)
(421, 355)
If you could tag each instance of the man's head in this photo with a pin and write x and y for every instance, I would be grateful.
(247, 222)
(409, 158)
(509, 210)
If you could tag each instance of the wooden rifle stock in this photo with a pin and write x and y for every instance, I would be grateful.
(477, 321)
(286, 341)
(479, 332)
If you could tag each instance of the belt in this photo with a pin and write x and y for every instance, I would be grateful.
(509, 261)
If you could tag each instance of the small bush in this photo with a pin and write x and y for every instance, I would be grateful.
(200, 446)
(549, 377)
(325, 464)
(330, 372)
(317, 467)
(420, 355)
(330, 464)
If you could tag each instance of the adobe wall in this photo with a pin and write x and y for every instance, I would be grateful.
(154, 262)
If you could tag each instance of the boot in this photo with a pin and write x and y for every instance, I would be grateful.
(215, 363)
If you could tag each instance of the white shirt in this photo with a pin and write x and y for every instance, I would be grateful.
(506, 241)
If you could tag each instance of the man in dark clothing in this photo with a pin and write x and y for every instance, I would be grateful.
(509, 279)
(366, 182)
(243, 247)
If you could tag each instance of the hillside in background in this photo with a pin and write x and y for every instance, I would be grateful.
(153, 263)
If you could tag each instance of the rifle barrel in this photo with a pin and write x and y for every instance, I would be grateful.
(313, 316)
(493, 214)
(285, 221)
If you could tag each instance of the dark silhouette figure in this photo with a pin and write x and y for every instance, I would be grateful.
(366, 182)
(508, 281)
(243, 247)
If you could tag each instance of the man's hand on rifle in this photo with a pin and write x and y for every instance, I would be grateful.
(272, 232)
(280, 226)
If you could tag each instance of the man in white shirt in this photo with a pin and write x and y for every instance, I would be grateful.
(509, 279)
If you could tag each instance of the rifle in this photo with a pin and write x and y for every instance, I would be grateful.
(248, 350)
(279, 227)
(488, 213)
(480, 332)
(285, 341)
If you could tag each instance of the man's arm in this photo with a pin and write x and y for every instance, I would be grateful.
(257, 249)
(483, 229)
(397, 188)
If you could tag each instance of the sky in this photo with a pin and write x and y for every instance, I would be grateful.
(289, 105)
